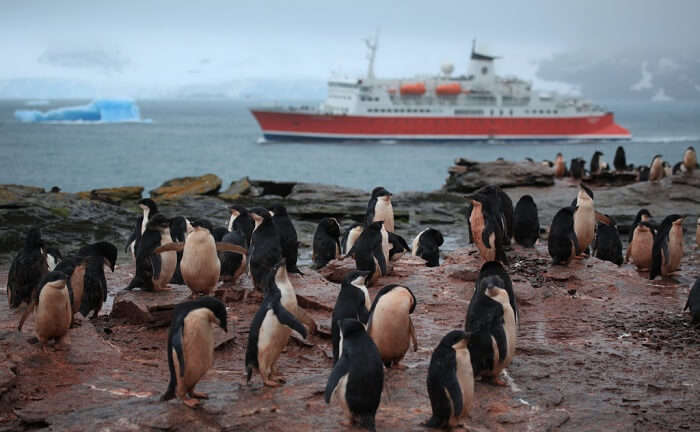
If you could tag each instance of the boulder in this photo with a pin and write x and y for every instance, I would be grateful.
(238, 189)
(114, 195)
(208, 184)
(469, 175)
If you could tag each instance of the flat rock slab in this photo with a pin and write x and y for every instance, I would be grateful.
(152, 307)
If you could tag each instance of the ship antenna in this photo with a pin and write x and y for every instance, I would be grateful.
(372, 46)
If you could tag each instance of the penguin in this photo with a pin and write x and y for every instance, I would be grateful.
(643, 215)
(562, 243)
(584, 218)
(369, 252)
(678, 168)
(191, 346)
(357, 379)
(641, 245)
(94, 283)
(643, 173)
(491, 320)
(427, 246)
(620, 161)
(200, 264)
(179, 227)
(656, 170)
(240, 219)
(690, 159)
(154, 271)
(450, 381)
(693, 302)
(379, 208)
(271, 327)
(494, 268)
(326, 243)
(559, 166)
(265, 247)
(27, 269)
(504, 208)
(547, 163)
(218, 233)
(353, 302)
(53, 257)
(526, 223)
(233, 264)
(578, 168)
(607, 244)
(52, 309)
(667, 252)
(288, 237)
(668, 170)
(596, 166)
(398, 246)
(486, 228)
(390, 325)
(350, 236)
(150, 209)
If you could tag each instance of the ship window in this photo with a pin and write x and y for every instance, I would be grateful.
(501, 112)
(556, 112)
(511, 112)
(491, 112)
(541, 111)
(549, 112)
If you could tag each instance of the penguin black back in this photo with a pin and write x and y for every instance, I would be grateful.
(368, 248)
(103, 249)
(578, 168)
(620, 161)
(444, 388)
(27, 269)
(428, 246)
(178, 232)
(288, 237)
(219, 233)
(148, 264)
(265, 247)
(562, 237)
(607, 245)
(503, 206)
(352, 302)
(243, 223)
(398, 246)
(175, 334)
(495, 268)
(231, 261)
(377, 192)
(693, 302)
(595, 161)
(484, 322)
(494, 223)
(526, 222)
(326, 243)
(660, 249)
(361, 366)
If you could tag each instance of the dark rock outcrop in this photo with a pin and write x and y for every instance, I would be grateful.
(208, 184)
(468, 175)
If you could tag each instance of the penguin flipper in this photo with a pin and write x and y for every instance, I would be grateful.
(177, 247)
(228, 247)
(362, 313)
(451, 385)
(340, 369)
(177, 346)
(286, 318)
(379, 255)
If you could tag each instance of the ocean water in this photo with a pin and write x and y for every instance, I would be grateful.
(189, 138)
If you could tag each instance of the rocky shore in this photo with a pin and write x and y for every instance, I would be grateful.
(600, 347)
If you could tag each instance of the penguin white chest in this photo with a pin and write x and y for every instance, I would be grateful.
(353, 235)
(416, 242)
(200, 265)
(465, 377)
(272, 339)
(390, 325)
(584, 225)
(675, 248)
(384, 211)
(386, 247)
(168, 261)
(509, 329)
(53, 313)
(198, 346)
(641, 247)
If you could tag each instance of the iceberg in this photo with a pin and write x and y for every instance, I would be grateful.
(100, 110)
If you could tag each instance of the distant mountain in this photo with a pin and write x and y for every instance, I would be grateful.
(627, 76)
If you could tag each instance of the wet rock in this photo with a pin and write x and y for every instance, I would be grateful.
(114, 195)
(687, 179)
(611, 178)
(474, 175)
(336, 270)
(240, 188)
(154, 308)
(207, 184)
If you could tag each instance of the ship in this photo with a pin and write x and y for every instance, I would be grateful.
(476, 106)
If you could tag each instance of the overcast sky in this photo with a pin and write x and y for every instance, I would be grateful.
(161, 44)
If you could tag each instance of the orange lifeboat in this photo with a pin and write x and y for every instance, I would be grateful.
(450, 89)
(413, 89)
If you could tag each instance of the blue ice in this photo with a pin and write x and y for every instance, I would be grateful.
(100, 110)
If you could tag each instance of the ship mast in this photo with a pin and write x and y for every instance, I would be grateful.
(372, 46)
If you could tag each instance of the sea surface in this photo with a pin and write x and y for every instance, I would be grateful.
(190, 138)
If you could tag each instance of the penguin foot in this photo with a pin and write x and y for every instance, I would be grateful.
(578, 257)
(497, 381)
(271, 383)
(192, 403)
(198, 395)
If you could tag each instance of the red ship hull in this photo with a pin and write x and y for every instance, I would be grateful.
(295, 125)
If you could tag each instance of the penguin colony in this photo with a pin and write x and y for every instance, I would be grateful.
(367, 335)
